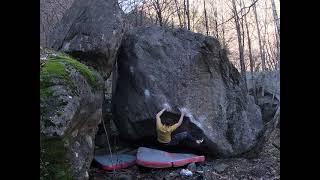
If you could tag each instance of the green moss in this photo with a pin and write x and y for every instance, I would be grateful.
(83, 69)
(53, 164)
(59, 114)
(54, 68)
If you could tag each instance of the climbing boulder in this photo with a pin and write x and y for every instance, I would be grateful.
(71, 108)
(92, 32)
(158, 66)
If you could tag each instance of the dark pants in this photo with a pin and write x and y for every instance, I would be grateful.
(177, 138)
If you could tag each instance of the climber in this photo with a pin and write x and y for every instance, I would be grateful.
(164, 131)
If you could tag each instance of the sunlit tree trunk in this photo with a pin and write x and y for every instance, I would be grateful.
(178, 12)
(263, 63)
(239, 34)
(205, 17)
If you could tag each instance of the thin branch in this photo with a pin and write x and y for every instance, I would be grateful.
(249, 7)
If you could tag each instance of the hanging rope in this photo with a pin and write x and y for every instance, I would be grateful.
(105, 130)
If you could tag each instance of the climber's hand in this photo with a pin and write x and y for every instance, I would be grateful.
(183, 111)
(166, 106)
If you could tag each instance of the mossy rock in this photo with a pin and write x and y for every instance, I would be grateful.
(56, 66)
(83, 69)
(55, 70)
(53, 164)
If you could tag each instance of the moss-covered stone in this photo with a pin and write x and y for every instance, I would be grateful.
(53, 164)
(56, 67)
(83, 69)
(52, 69)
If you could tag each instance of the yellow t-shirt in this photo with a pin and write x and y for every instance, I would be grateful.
(164, 132)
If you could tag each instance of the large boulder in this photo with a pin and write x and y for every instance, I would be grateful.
(71, 96)
(92, 32)
(183, 69)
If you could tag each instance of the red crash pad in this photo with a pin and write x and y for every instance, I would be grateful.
(160, 159)
(118, 161)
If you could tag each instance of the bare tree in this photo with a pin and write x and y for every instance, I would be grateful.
(240, 44)
(250, 55)
(158, 9)
(275, 17)
(188, 14)
(259, 38)
(205, 17)
(184, 14)
(223, 33)
(263, 63)
(277, 27)
(178, 13)
(216, 23)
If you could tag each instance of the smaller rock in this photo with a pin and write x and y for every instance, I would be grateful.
(186, 173)
(192, 167)
(171, 175)
(220, 167)
(124, 177)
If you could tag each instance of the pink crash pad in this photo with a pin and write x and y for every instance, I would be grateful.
(118, 161)
(160, 159)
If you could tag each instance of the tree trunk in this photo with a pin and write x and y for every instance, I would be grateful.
(223, 33)
(263, 63)
(159, 13)
(216, 23)
(259, 37)
(250, 58)
(242, 26)
(205, 17)
(238, 28)
(178, 12)
(141, 16)
(172, 24)
(275, 17)
(184, 14)
(188, 15)
(277, 27)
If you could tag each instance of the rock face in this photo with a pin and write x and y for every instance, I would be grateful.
(269, 103)
(71, 108)
(92, 32)
(183, 69)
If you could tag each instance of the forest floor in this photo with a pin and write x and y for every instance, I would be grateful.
(265, 166)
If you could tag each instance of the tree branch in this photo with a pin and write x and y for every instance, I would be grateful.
(240, 12)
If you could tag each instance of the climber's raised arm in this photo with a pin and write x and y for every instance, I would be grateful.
(160, 113)
(181, 119)
(175, 126)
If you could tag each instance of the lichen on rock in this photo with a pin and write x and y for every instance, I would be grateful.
(71, 95)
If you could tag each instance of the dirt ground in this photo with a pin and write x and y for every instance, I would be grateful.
(266, 166)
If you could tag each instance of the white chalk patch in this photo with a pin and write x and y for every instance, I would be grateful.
(89, 140)
(76, 154)
(74, 133)
(70, 97)
(167, 106)
(66, 46)
(189, 114)
(131, 69)
(87, 175)
(152, 77)
(147, 93)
